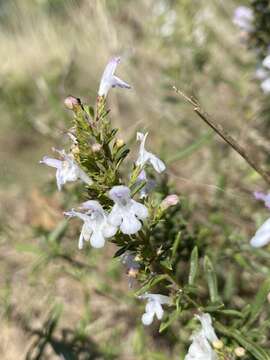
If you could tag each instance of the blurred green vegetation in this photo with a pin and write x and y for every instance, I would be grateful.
(54, 301)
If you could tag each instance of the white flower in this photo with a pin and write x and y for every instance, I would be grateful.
(207, 327)
(67, 169)
(243, 18)
(126, 211)
(265, 85)
(109, 80)
(153, 307)
(96, 226)
(262, 235)
(200, 349)
(266, 62)
(146, 156)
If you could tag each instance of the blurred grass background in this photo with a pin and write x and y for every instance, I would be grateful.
(54, 302)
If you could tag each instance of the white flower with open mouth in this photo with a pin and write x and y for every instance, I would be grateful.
(146, 156)
(153, 307)
(96, 227)
(126, 212)
(200, 348)
(262, 235)
(66, 169)
(109, 80)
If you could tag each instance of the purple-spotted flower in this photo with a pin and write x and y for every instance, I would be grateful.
(126, 212)
(96, 227)
(66, 169)
(109, 80)
(200, 348)
(262, 235)
(243, 18)
(264, 197)
(147, 157)
(153, 307)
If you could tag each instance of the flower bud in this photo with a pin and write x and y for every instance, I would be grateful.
(119, 143)
(96, 147)
(169, 201)
(71, 102)
(218, 344)
(239, 351)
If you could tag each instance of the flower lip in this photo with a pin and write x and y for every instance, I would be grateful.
(119, 192)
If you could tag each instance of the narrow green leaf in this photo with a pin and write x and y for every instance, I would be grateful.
(211, 279)
(154, 281)
(260, 299)
(176, 244)
(189, 150)
(193, 266)
(171, 318)
(258, 352)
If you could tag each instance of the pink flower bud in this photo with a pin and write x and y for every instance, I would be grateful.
(169, 201)
(71, 102)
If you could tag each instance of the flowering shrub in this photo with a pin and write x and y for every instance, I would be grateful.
(149, 227)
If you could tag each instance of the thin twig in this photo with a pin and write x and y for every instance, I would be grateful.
(224, 135)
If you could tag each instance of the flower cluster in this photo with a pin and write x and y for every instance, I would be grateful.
(120, 213)
(149, 230)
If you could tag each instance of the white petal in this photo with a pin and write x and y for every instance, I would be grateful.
(86, 231)
(265, 85)
(262, 235)
(97, 240)
(84, 177)
(116, 82)
(51, 162)
(130, 224)
(207, 327)
(147, 318)
(266, 62)
(59, 179)
(115, 217)
(139, 210)
(157, 164)
(80, 245)
(109, 230)
(158, 310)
(119, 194)
(200, 349)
